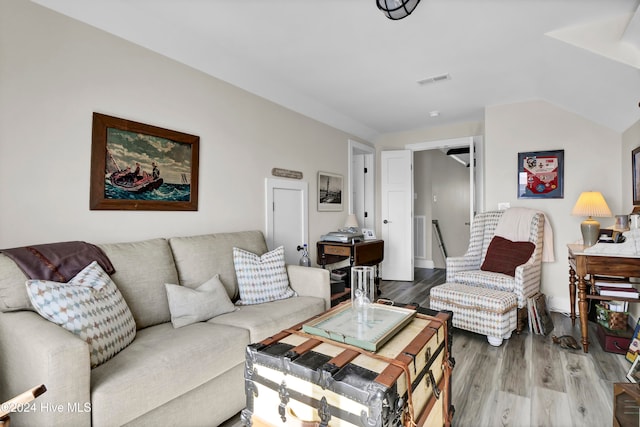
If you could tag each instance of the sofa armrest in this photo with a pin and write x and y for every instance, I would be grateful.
(311, 281)
(461, 263)
(35, 351)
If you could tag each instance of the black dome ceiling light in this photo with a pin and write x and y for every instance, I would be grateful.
(397, 9)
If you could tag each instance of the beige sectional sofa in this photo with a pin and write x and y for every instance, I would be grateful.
(189, 376)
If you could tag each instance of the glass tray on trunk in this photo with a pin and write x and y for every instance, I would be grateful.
(341, 325)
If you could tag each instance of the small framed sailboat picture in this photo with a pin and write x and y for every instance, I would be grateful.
(329, 192)
(135, 166)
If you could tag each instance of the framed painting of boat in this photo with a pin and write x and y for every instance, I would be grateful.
(135, 166)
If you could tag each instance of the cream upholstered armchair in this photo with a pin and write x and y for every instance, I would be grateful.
(502, 267)
(466, 269)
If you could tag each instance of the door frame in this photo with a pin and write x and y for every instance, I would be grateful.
(270, 185)
(356, 148)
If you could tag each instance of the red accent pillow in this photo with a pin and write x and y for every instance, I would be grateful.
(503, 255)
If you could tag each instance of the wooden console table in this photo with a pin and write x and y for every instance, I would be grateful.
(368, 252)
(581, 265)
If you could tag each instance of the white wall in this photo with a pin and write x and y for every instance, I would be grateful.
(596, 158)
(55, 72)
(399, 140)
(592, 156)
(630, 141)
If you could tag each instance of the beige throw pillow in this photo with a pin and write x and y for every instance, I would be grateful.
(207, 301)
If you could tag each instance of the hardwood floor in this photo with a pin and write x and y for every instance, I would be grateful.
(528, 380)
(413, 292)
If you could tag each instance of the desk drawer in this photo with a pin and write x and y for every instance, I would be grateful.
(337, 250)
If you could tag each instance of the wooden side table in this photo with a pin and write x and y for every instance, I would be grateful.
(368, 252)
(583, 264)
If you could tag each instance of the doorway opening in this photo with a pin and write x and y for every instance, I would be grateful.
(448, 191)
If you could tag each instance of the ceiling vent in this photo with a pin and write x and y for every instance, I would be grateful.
(435, 79)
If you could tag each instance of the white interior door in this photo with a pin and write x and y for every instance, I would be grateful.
(287, 215)
(397, 214)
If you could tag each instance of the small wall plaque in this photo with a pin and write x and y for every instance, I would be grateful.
(286, 173)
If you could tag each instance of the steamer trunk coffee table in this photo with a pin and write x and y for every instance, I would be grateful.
(305, 379)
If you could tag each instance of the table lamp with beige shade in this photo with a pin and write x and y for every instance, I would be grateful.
(591, 204)
(351, 222)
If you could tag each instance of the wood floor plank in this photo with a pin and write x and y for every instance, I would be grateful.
(549, 408)
(515, 361)
(589, 402)
(506, 409)
(546, 364)
(473, 393)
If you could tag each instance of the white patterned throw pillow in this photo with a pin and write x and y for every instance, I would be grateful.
(261, 278)
(205, 302)
(90, 306)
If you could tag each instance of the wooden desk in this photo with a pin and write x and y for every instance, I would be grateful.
(583, 264)
(368, 252)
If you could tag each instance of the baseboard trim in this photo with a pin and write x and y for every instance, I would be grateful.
(559, 304)
(423, 263)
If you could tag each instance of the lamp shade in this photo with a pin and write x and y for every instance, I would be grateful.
(351, 221)
(591, 203)
(397, 9)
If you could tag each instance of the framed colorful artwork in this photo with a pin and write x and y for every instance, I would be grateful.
(635, 164)
(135, 166)
(541, 175)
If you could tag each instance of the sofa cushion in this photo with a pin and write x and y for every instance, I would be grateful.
(503, 255)
(189, 306)
(198, 258)
(150, 373)
(261, 278)
(485, 279)
(13, 294)
(90, 306)
(265, 320)
(142, 269)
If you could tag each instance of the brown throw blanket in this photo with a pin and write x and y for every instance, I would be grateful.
(58, 262)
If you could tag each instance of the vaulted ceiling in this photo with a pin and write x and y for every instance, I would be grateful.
(344, 63)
